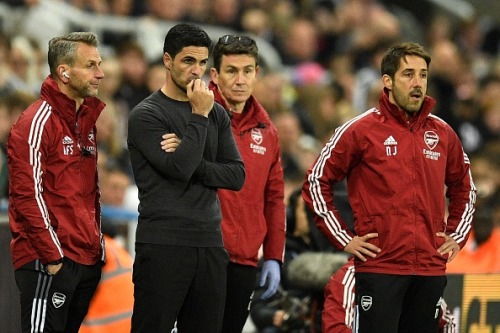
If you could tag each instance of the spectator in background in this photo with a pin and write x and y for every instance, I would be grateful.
(301, 43)
(341, 68)
(470, 37)
(367, 75)
(298, 150)
(117, 8)
(155, 75)
(226, 13)
(439, 29)
(168, 10)
(17, 101)
(327, 105)
(477, 120)
(115, 211)
(487, 172)
(112, 125)
(256, 21)
(489, 107)
(111, 306)
(255, 216)
(277, 95)
(106, 7)
(297, 305)
(5, 124)
(134, 66)
(150, 28)
(361, 24)
(491, 119)
(281, 14)
(481, 253)
(115, 183)
(5, 84)
(470, 126)
(110, 86)
(11, 106)
(292, 137)
(127, 211)
(197, 11)
(490, 90)
(24, 65)
(112, 141)
(357, 27)
(453, 88)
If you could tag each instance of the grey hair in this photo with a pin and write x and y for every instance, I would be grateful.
(62, 49)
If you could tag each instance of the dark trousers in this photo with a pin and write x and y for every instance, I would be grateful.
(241, 281)
(397, 303)
(187, 284)
(56, 303)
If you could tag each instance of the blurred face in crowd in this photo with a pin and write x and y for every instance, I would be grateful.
(155, 77)
(106, 124)
(111, 84)
(408, 87)
(134, 66)
(491, 116)
(288, 126)
(301, 220)
(170, 10)
(486, 178)
(302, 40)
(5, 122)
(237, 78)
(19, 64)
(114, 186)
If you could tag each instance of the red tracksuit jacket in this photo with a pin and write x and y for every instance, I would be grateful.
(255, 215)
(396, 175)
(54, 208)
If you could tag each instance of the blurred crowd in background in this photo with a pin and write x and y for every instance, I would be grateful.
(329, 50)
(329, 55)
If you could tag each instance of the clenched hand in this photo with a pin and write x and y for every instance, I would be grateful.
(200, 97)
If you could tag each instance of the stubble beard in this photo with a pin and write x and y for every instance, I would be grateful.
(404, 102)
(85, 91)
(181, 87)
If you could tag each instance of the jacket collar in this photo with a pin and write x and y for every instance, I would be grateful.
(64, 106)
(253, 115)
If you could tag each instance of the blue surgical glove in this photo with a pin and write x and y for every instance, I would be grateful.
(270, 272)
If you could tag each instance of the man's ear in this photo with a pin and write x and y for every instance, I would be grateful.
(167, 60)
(214, 75)
(62, 72)
(387, 81)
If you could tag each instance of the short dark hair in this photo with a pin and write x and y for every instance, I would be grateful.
(62, 49)
(185, 34)
(230, 44)
(392, 58)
